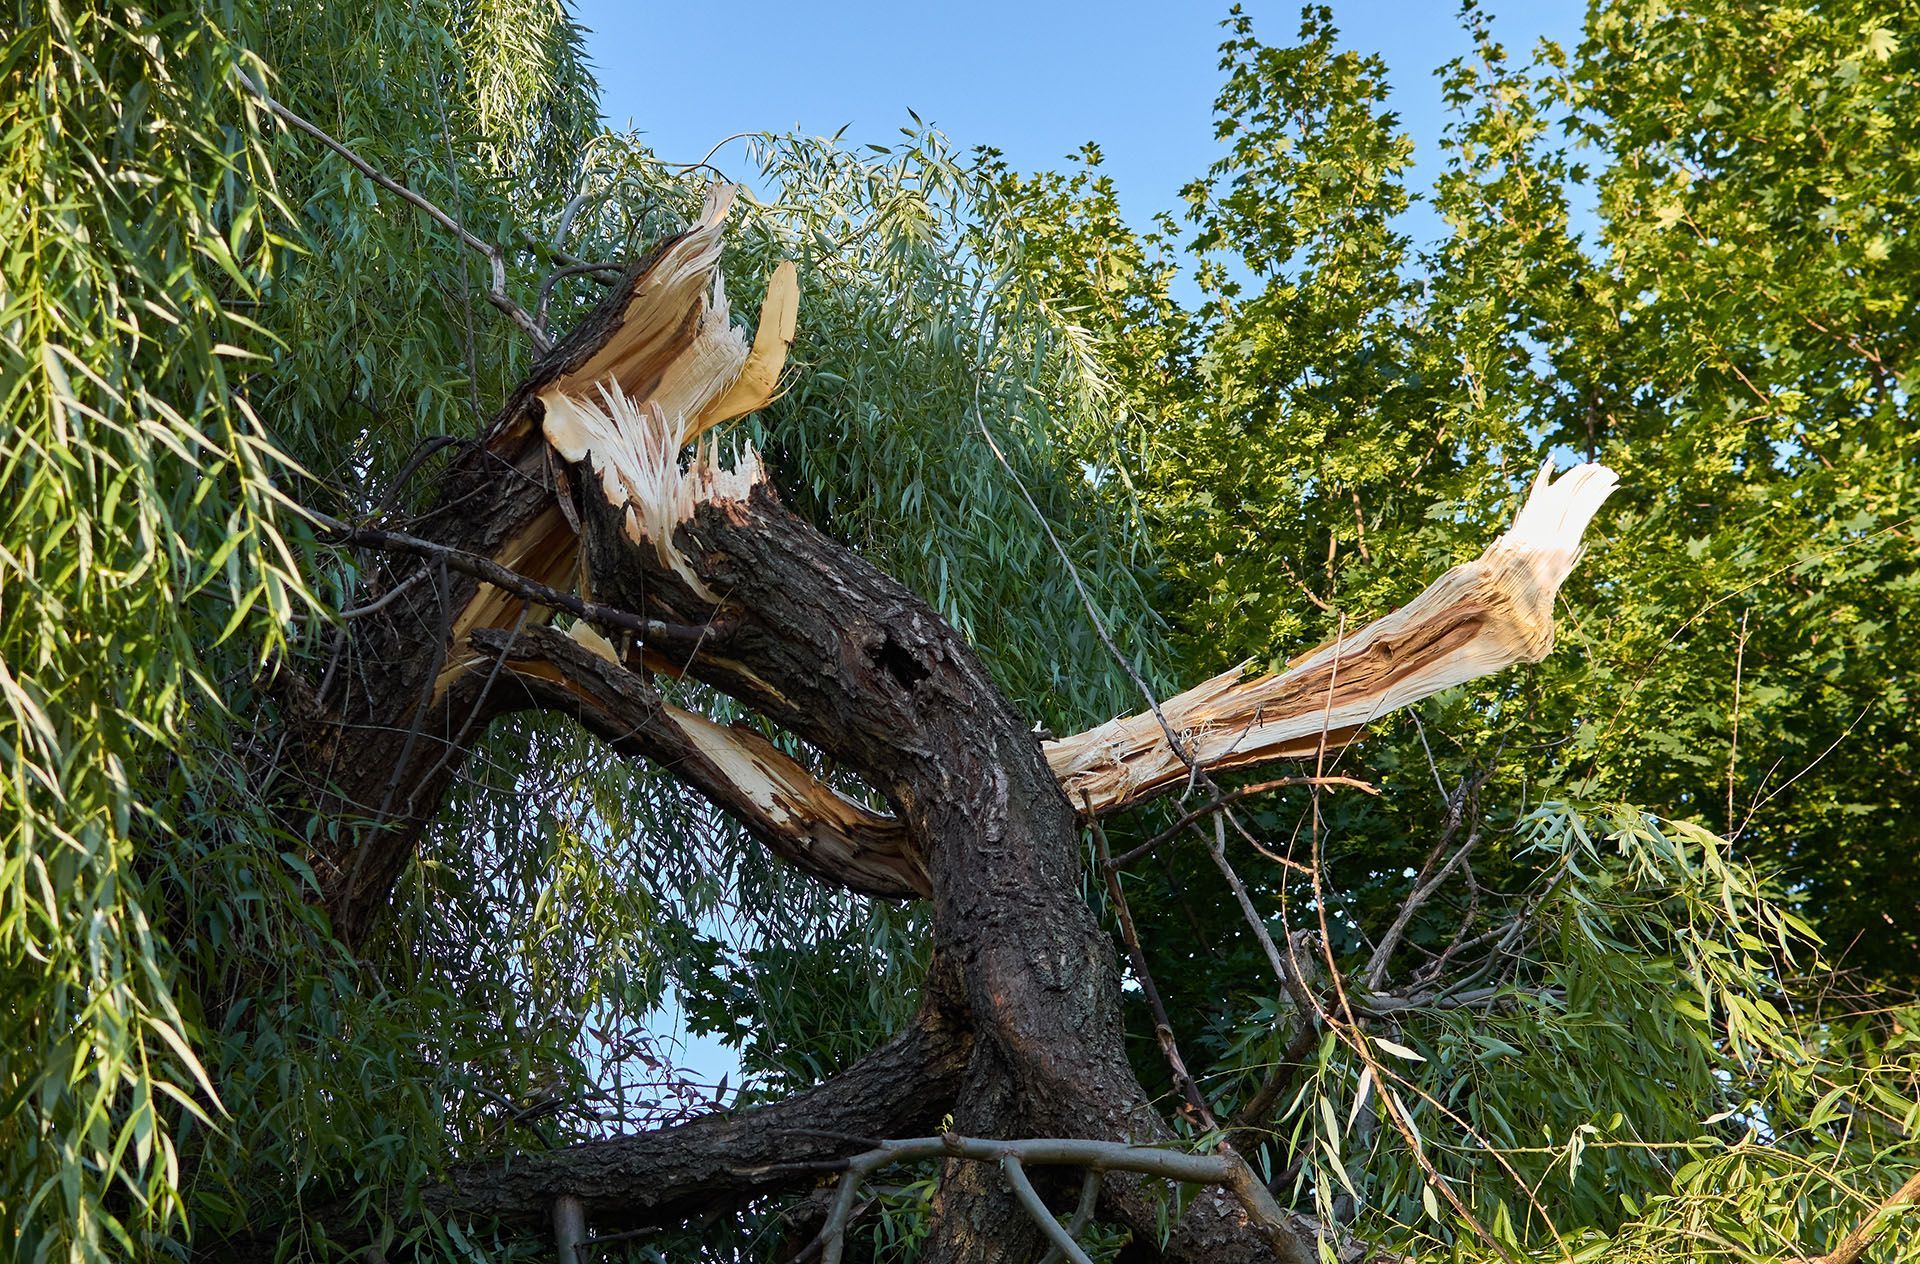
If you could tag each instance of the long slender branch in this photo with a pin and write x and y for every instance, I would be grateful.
(497, 262)
(1096, 1156)
(653, 631)
(1174, 741)
(1162, 1024)
(1029, 1199)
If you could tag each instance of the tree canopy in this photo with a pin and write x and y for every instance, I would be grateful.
(1604, 956)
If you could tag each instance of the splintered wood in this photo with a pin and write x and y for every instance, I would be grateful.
(1476, 619)
(671, 368)
(676, 367)
(669, 365)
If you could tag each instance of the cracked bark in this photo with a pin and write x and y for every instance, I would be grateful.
(580, 484)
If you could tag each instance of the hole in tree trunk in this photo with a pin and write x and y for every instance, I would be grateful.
(899, 662)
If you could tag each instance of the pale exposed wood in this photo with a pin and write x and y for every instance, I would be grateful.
(634, 446)
(759, 378)
(673, 368)
(800, 818)
(676, 367)
(674, 339)
(865, 848)
(1476, 619)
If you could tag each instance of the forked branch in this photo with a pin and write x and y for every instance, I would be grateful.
(1014, 1157)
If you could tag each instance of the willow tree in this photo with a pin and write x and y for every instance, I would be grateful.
(431, 608)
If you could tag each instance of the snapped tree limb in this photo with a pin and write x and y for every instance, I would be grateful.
(1478, 618)
(801, 819)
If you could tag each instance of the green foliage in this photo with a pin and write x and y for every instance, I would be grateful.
(138, 533)
(903, 257)
(1686, 248)
(1657, 1076)
(206, 315)
(1677, 249)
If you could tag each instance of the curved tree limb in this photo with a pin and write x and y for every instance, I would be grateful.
(721, 1160)
(801, 819)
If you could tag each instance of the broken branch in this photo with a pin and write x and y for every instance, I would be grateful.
(1478, 618)
(800, 818)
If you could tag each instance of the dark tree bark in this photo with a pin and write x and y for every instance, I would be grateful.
(723, 1160)
(1020, 1031)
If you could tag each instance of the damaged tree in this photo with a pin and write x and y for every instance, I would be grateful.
(602, 492)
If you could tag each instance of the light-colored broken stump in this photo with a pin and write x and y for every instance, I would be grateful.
(1477, 619)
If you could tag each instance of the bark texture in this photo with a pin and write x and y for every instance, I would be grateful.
(585, 484)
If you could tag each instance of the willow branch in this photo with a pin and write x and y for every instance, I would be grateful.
(1082, 1213)
(1029, 1200)
(1225, 1170)
(800, 818)
(1162, 1023)
(653, 631)
(1478, 618)
(496, 262)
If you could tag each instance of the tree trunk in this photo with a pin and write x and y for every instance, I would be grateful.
(686, 567)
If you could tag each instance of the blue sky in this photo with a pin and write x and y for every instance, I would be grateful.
(1036, 80)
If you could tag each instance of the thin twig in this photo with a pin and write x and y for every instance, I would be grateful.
(558, 274)
(393, 594)
(1162, 1023)
(1862, 1235)
(1244, 792)
(483, 568)
(1428, 882)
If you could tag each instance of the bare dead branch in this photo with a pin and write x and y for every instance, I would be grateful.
(1162, 1023)
(653, 631)
(1224, 1170)
(1428, 881)
(1221, 801)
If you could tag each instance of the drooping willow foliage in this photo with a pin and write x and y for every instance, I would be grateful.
(207, 319)
(140, 533)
